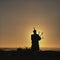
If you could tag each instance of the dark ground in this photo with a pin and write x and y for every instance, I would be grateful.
(27, 54)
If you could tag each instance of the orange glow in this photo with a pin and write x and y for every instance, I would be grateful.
(17, 20)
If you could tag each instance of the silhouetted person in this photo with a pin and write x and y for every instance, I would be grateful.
(35, 41)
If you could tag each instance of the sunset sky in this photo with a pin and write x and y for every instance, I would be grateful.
(17, 19)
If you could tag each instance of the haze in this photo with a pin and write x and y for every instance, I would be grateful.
(17, 19)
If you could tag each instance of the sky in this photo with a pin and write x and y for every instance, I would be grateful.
(17, 19)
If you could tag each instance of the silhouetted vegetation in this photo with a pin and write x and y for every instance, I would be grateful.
(28, 54)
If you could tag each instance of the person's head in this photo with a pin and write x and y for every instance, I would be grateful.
(34, 31)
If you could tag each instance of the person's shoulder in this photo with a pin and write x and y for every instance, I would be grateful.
(32, 34)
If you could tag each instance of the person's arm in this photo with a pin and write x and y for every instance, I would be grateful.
(39, 38)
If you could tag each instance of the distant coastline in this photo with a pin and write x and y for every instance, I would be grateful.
(42, 49)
